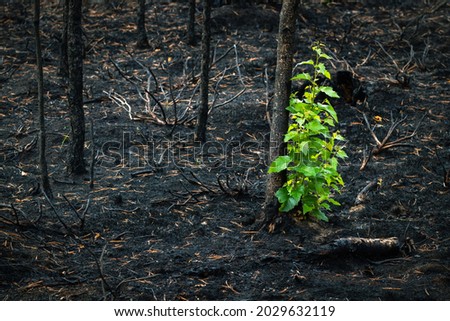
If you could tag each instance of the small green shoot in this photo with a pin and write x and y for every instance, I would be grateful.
(312, 153)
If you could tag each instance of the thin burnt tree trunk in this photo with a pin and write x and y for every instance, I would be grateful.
(75, 95)
(280, 116)
(191, 24)
(45, 183)
(142, 40)
(202, 119)
(63, 63)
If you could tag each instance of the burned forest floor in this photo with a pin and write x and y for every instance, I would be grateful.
(170, 219)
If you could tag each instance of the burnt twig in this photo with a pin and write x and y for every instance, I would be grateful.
(385, 144)
(68, 229)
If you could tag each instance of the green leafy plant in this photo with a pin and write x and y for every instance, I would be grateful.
(312, 155)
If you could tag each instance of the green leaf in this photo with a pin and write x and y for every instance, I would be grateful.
(302, 76)
(290, 136)
(289, 205)
(304, 147)
(320, 215)
(341, 154)
(334, 202)
(329, 91)
(338, 136)
(308, 171)
(330, 110)
(325, 56)
(286, 200)
(296, 106)
(282, 194)
(316, 126)
(307, 206)
(323, 70)
(308, 62)
(297, 192)
(279, 164)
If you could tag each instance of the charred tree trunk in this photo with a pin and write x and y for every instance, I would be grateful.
(191, 24)
(63, 63)
(202, 119)
(45, 183)
(142, 42)
(75, 95)
(280, 116)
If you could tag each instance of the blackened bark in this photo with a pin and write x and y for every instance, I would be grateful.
(45, 183)
(191, 24)
(202, 119)
(75, 95)
(63, 63)
(142, 40)
(280, 116)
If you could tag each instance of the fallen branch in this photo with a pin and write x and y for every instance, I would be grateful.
(367, 247)
(142, 172)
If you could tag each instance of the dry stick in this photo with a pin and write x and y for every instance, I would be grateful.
(223, 74)
(397, 259)
(127, 78)
(446, 173)
(240, 79)
(192, 195)
(134, 280)
(228, 190)
(174, 102)
(199, 182)
(216, 89)
(83, 215)
(438, 5)
(40, 213)
(405, 68)
(147, 69)
(383, 145)
(150, 75)
(72, 206)
(15, 214)
(100, 269)
(335, 57)
(91, 167)
(120, 101)
(366, 60)
(172, 97)
(17, 211)
(144, 171)
(362, 195)
(99, 264)
(221, 186)
(68, 229)
(220, 58)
